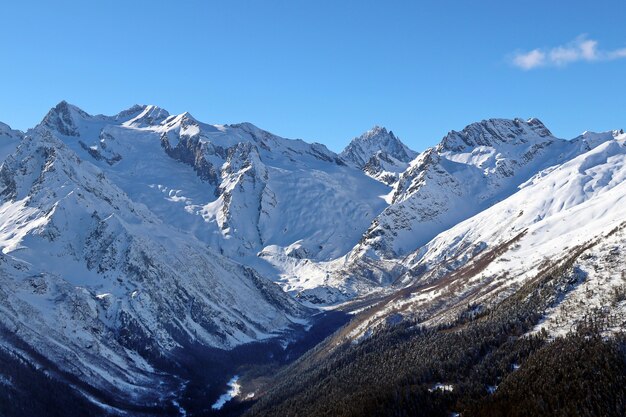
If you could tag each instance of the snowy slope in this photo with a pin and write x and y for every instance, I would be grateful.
(385, 168)
(293, 210)
(466, 173)
(572, 209)
(97, 283)
(238, 188)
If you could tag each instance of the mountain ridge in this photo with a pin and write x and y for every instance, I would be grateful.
(131, 240)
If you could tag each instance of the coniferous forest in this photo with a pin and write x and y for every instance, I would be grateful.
(480, 365)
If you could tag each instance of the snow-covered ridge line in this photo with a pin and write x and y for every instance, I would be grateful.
(239, 189)
(466, 173)
(573, 209)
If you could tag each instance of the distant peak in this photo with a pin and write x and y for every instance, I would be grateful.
(188, 116)
(378, 139)
(148, 115)
(64, 106)
(5, 130)
(153, 107)
(376, 132)
(377, 129)
(593, 139)
(244, 125)
(588, 133)
(63, 118)
(154, 110)
(492, 132)
(130, 112)
(537, 124)
(180, 119)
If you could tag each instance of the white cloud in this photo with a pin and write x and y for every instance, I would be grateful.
(529, 60)
(581, 49)
(617, 54)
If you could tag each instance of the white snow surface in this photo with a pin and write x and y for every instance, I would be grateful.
(466, 173)
(237, 188)
(572, 205)
(90, 276)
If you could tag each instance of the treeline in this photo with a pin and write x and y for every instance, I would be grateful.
(479, 365)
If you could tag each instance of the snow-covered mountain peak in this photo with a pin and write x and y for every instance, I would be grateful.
(375, 131)
(188, 116)
(495, 132)
(182, 124)
(71, 121)
(361, 149)
(466, 173)
(247, 126)
(593, 139)
(129, 113)
(150, 116)
(9, 140)
(64, 118)
(7, 132)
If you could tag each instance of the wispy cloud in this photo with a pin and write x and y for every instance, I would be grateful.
(580, 49)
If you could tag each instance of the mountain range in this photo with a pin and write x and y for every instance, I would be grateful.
(147, 258)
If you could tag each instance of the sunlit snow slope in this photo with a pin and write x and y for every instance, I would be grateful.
(567, 214)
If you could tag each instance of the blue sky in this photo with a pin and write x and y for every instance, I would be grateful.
(321, 70)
